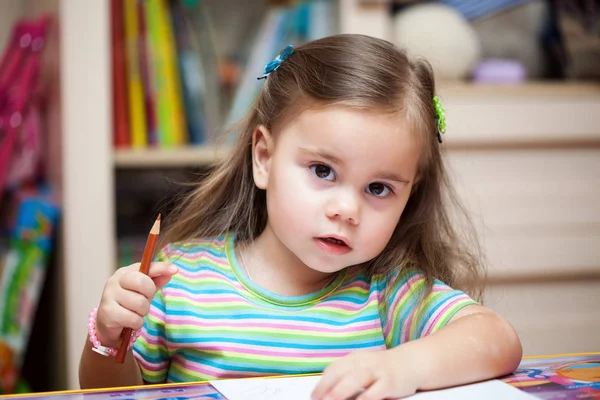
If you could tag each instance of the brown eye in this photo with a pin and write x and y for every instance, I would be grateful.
(322, 171)
(378, 189)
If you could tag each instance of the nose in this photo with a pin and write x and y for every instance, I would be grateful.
(344, 205)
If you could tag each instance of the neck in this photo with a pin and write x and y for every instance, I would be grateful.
(272, 266)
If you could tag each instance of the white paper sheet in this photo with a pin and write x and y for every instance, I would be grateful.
(488, 390)
(293, 388)
(300, 388)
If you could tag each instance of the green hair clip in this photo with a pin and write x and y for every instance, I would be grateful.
(440, 117)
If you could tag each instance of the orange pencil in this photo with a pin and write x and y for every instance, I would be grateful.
(147, 257)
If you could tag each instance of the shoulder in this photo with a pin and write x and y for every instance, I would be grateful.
(401, 277)
(406, 285)
(410, 277)
(401, 281)
(194, 252)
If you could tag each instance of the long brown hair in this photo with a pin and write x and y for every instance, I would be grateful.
(434, 233)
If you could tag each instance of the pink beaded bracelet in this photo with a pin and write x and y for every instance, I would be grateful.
(98, 348)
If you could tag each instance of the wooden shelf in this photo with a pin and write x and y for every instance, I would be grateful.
(537, 89)
(529, 115)
(480, 116)
(192, 156)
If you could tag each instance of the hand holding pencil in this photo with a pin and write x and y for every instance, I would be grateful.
(127, 297)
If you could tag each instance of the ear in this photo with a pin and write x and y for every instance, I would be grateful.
(262, 154)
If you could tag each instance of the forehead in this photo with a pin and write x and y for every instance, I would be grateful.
(365, 137)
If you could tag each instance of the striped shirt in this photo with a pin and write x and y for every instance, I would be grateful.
(210, 321)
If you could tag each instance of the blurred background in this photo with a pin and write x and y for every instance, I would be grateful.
(106, 106)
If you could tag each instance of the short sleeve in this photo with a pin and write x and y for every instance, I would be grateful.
(150, 349)
(407, 314)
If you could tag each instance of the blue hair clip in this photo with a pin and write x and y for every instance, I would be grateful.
(276, 63)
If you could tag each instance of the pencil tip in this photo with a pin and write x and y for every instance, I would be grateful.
(156, 227)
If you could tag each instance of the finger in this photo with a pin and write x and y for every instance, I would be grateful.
(161, 281)
(114, 316)
(133, 301)
(345, 388)
(162, 268)
(156, 268)
(377, 391)
(160, 274)
(129, 319)
(135, 281)
(331, 375)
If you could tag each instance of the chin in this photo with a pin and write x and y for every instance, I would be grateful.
(326, 266)
(322, 262)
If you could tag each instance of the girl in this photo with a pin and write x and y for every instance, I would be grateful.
(324, 244)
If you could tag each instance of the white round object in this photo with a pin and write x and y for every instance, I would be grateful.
(442, 36)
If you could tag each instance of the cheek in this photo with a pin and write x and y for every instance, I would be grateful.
(378, 234)
(380, 228)
(289, 198)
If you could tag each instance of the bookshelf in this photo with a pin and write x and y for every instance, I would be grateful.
(189, 156)
(552, 130)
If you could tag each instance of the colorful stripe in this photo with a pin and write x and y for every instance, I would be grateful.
(212, 322)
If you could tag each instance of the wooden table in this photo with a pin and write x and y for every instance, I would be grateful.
(565, 377)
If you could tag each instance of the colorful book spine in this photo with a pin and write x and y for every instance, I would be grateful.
(119, 81)
(137, 117)
(202, 34)
(22, 279)
(267, 44)
(146, 72)
(321, 15)
(170, 112)
(192, 76)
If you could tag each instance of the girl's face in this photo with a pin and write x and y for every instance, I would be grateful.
(337, 181)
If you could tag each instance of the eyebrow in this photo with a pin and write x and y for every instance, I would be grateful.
(336, 160)
(392, 177)
(322, 154)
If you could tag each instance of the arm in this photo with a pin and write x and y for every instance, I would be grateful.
(476, 344)
(97, 371)
(126, 299)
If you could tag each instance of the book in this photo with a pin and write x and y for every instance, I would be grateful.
(321, 19)
(146, 74)
(22, 280)
(267, 44)
(135, 90)
(118, 71)
(192, 75)
(282, 25)
(169, 107)
(202, 42)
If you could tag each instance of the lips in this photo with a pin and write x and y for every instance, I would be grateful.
(334, 241)
(334, 244)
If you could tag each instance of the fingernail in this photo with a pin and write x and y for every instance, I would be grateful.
(173, 268)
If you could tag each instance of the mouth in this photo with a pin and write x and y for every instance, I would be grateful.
(332, 240)
(334, 245)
